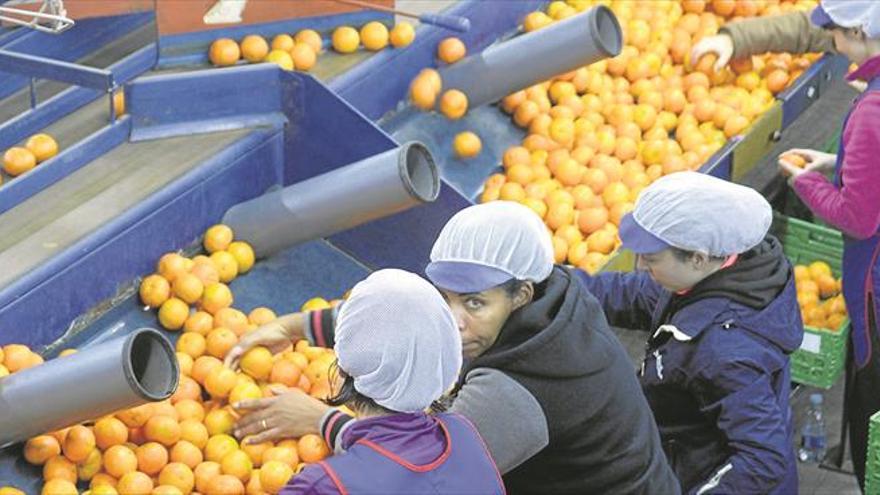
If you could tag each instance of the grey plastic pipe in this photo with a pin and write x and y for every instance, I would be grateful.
(375, 187)
(117, 374)
(531, 58)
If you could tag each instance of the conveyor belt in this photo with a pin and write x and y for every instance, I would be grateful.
(65, 212)
(102, 58)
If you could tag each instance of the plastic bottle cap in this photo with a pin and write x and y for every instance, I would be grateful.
(816, 399)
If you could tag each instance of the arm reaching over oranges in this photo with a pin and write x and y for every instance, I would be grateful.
(275, 336)
(721, 45)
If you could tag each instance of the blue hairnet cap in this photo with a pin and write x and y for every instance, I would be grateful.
(696, 212)
(862, 14)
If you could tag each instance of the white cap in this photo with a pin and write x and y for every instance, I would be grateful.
(696, 212)
(862, 14)
(396, 336)
(485, 245)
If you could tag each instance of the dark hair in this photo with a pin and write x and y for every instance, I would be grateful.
(684, 255)
(347, 394)
(512, 286)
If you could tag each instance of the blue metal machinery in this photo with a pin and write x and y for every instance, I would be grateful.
(195, 143)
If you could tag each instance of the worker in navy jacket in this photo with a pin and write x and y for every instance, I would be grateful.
(717, 296)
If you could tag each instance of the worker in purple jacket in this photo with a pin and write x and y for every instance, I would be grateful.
(851, 203)
(716, 295)
(395, 446)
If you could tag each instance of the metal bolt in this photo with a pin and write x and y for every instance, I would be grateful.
(776, 136)
(811, 92)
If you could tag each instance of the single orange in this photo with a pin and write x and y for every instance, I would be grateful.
(274, 475)
(18, 160)
(261, 316)
(311, 448)
(219, 422)
(303, 56)
(43, 146)
(402, 34)
(120, 460)
(199, 322)
(215, 297)
(467, 145)
(374, 36)
(40, 449)
(59, 487)
(78, 444)
(451, 50)
(345, 39)
(453, 104)
(178, 475)
(110, 431)
(254, 48)
(154, 290)
(204, 473)
(282, 42)
(135, 483)
(224, 52)
(311, 38)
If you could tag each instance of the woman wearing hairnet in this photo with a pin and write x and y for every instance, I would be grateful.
(717, 296)
(395, 447)
(545, 381)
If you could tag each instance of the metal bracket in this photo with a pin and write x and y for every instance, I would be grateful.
(51, 12)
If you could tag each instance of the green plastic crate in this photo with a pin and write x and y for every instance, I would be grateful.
(822, 357)
(872, 462)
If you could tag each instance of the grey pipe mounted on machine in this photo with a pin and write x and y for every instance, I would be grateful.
(117, 374)
(533, 57)
(375, 187)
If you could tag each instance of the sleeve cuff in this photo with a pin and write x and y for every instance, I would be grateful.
(332, 425)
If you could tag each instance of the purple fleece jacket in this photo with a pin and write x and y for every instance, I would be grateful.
(853, 208)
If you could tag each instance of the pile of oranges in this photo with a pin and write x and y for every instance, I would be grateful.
(818, 294)
(185, 445)
(37, 149)
(300, 51)
(598, 135)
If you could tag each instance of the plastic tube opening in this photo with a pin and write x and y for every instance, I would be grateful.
(151, 365)
(606, 31)
(418, 172)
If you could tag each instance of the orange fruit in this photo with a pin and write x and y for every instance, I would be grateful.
(202, 366)
(232, 319)
(311, 38)
(219, 341)
(777, 81)
(220, 382)
(281, 59)
(402, 34)
(204, 473)
(224, 52)
(110, 431)
(374, 36)
(287, 455)
(9, 490)
(217, 238)
(274, 475)
(136, 416)
(192, 344)
(178, 475)
(166, 490)
(88, 468)
(453, 104)
(78, 444)
(17, 357)
(40, 449)
(282, 42)
(194, 432)
(119, 102)
(794, 159)
(592, 219)
(225, 485)
(59, 487)
(245, 391)
(59, 467)
(735, 126)
(422, 93)
(199, 322)
(186, 453)
(43, 146)
(243, 254)
(171, 265)
(215, 297)
(261, 316)
(218, 446)
(189, 408)
(255, 451)
(227, 265)
(819, 268)
(120, 460)
(724, 8)
(451, 50)
(173, 313)
(346, 39)
(135, 483)
(188, 288)
(151, 458)
(18, 160)
(285, 372)
(154, 290)
(828, 286)
(103, 479)
(257, 362)
(219, 422)
(254, 48)
(467, 145)
(311, 448)
(237, 464)
(303, 56)
(162, 429)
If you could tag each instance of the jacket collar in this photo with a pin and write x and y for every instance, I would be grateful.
(867, 71)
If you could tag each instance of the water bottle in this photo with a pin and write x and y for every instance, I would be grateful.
(813, 433)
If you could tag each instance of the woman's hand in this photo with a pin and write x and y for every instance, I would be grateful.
(273, 336)
(290, 414)
(720, 44)
(817, 161)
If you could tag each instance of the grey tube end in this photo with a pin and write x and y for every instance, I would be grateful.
(150, 365)
(605, 29)
(418, 172)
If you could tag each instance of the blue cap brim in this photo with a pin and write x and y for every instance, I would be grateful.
(820, 17)
(637, 239)
(463, 277)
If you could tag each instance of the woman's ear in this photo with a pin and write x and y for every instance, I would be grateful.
(524, 294)
(700, 260)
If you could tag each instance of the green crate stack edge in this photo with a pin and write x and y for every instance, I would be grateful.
(872, 463)
(804, 243)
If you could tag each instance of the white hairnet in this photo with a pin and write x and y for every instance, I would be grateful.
(698, 212)
(396, 336)
(484, 245)
(862, 14)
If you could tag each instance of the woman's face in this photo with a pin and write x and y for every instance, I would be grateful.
(674, 274)
(852, 44)
(481, 315)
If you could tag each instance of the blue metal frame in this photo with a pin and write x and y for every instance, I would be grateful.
(192, 48)
(810, 86)
(84, 37)
(37, 67)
